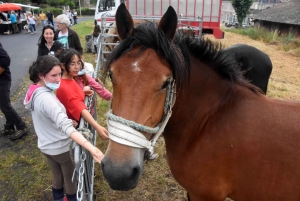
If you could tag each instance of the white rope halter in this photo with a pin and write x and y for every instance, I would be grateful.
(128, 132)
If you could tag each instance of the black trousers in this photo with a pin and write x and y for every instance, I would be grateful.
(50, 22)
(15, 28)
(12, 118)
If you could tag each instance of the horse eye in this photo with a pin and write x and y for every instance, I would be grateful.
(165, 85)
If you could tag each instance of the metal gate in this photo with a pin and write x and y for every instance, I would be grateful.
(83, 160)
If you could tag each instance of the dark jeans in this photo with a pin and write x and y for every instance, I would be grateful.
(75, 20)
(50, 22)
(32, 28)
(12, 118)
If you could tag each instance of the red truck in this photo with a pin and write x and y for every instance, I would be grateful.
(209, 11)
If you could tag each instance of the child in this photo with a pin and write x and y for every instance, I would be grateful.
(83, 79)
(71, 95)
(95, 34)
(52, 126)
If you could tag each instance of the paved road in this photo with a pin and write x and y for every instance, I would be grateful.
(22, 49)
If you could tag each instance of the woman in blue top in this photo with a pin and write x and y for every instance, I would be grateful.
(14, 21)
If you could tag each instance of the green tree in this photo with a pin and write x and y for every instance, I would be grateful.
(60, 2)
(242, 8)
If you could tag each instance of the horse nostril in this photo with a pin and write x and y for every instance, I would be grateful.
(135, 173)
(104, 160)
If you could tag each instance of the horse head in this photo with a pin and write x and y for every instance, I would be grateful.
(132, 122)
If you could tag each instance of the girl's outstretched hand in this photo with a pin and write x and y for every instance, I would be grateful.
(103, 133)
(97, 154)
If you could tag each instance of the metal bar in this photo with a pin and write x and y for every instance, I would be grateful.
(195, 7)
(203, 9)
(136, 7)
(161, 7)
(178, 6)
(211, 10)
(186, 7)
(152, 7)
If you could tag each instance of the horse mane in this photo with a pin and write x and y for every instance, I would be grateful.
(177, 53)
(212, 53)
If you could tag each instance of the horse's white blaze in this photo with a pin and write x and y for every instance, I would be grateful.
(135, 67)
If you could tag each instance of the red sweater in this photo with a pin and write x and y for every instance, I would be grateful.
(72, 97)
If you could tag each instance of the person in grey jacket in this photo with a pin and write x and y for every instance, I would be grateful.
(68, 37)
(52, 126)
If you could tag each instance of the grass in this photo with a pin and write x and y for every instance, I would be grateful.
(285, 42)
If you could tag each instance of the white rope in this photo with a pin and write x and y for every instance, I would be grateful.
(129, 136)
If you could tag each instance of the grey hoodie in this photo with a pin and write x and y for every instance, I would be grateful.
(50, 121)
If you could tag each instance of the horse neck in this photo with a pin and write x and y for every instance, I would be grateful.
(197, 101)
(206, 90)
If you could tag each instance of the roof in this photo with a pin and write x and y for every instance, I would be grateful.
(287, 12)
(26, 6)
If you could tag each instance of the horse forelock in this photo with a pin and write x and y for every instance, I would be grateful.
(147, 35)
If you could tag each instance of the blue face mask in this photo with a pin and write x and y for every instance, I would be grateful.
(51, 86)
(81, 72)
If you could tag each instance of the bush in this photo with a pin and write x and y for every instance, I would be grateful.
(86, 11)
(54, 11)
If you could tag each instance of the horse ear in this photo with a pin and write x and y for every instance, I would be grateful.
(168, 23)
(124, 22)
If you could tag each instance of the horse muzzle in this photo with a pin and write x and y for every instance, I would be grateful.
(124, 175)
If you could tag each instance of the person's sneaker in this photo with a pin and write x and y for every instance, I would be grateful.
(18, 134)
(153, 156)
(6, 131)
(31, 33)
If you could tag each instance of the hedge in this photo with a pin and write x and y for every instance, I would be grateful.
(58, 11)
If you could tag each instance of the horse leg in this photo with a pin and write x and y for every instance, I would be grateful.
(188, 196)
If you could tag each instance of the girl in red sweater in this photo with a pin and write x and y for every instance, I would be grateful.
(71, 95)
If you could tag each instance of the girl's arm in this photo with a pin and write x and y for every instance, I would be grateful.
(96, 153)
(100, 90)
(89, 118)
(51, 108)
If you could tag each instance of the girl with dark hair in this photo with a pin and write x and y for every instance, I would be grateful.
(47, 42)
(95, 35)
(71, 95)
(85, 80)
(52, 126)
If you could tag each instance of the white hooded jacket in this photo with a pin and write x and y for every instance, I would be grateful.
(50, 120)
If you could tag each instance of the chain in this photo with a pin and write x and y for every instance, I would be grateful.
(89, 106)
(89, 136)
(80, 178)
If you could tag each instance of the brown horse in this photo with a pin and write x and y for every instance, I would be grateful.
(223, 139)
